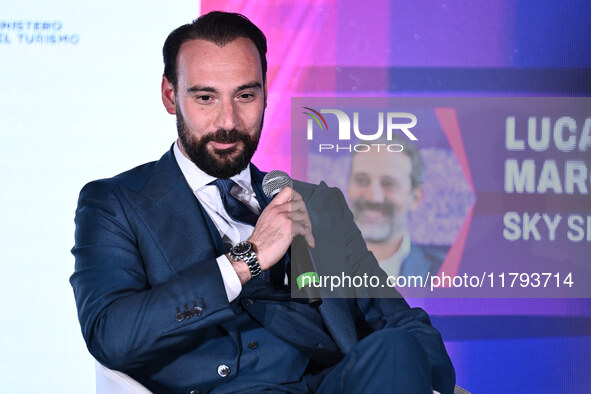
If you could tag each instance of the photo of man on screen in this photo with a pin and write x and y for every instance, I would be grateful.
(384, 188)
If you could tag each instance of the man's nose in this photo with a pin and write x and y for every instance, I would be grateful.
(227, 117)
(374, 192)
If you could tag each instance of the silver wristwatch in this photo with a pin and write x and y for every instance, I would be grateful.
(245, 251)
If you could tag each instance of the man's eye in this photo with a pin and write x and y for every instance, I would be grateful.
(361, 180)
(204, 98)
(246, 96)
(388, 184)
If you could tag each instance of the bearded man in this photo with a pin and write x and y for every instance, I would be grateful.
(182, 265)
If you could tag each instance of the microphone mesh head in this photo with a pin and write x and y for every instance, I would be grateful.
(275, 181)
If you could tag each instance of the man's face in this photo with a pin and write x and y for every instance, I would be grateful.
(381, 194)
(219, 102)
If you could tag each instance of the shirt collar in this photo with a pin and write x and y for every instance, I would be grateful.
(393, 264)
(197, 179)
(404, 249)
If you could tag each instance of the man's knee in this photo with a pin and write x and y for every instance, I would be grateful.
(393, 341)
(388, 359)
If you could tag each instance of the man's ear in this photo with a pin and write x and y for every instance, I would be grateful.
(417, 196)
(168, 96)
(265, 90)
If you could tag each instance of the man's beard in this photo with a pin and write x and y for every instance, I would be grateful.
(221, 163)
(379, 225)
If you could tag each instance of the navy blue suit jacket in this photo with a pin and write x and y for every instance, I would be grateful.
(146, 251)
(423, 259)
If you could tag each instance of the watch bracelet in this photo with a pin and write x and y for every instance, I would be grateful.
(253, 263)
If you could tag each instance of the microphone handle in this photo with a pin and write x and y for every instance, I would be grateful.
(302, 261)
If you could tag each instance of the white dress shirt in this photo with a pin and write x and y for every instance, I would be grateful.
(393, 264)
(231, 231)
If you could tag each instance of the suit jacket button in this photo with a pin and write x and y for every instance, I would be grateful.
(179, 317)
(253, 344)
(248, 302)
(194, 392)
(224, 370)
(197, 311)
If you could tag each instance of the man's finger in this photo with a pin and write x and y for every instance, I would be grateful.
(283, 196)
(303, 229)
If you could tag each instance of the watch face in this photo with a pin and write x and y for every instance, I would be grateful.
(241, 248)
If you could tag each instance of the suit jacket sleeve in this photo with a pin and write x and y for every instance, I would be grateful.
(127, 321)
(393, 311)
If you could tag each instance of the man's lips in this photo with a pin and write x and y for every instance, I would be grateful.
(223, 145)
(371, 216)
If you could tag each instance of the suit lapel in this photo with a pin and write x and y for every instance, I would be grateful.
(174, 217)
(256, 179)
(417, 263)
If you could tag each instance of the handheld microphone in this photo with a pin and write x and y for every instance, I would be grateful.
(301, 257)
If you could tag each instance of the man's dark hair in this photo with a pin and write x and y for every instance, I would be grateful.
(411, 150)
(217, 27)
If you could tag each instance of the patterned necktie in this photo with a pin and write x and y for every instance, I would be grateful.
(233, 206)
(238, 210)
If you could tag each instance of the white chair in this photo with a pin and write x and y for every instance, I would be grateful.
(109, 381)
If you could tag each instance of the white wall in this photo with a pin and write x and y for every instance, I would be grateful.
(70, 112)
